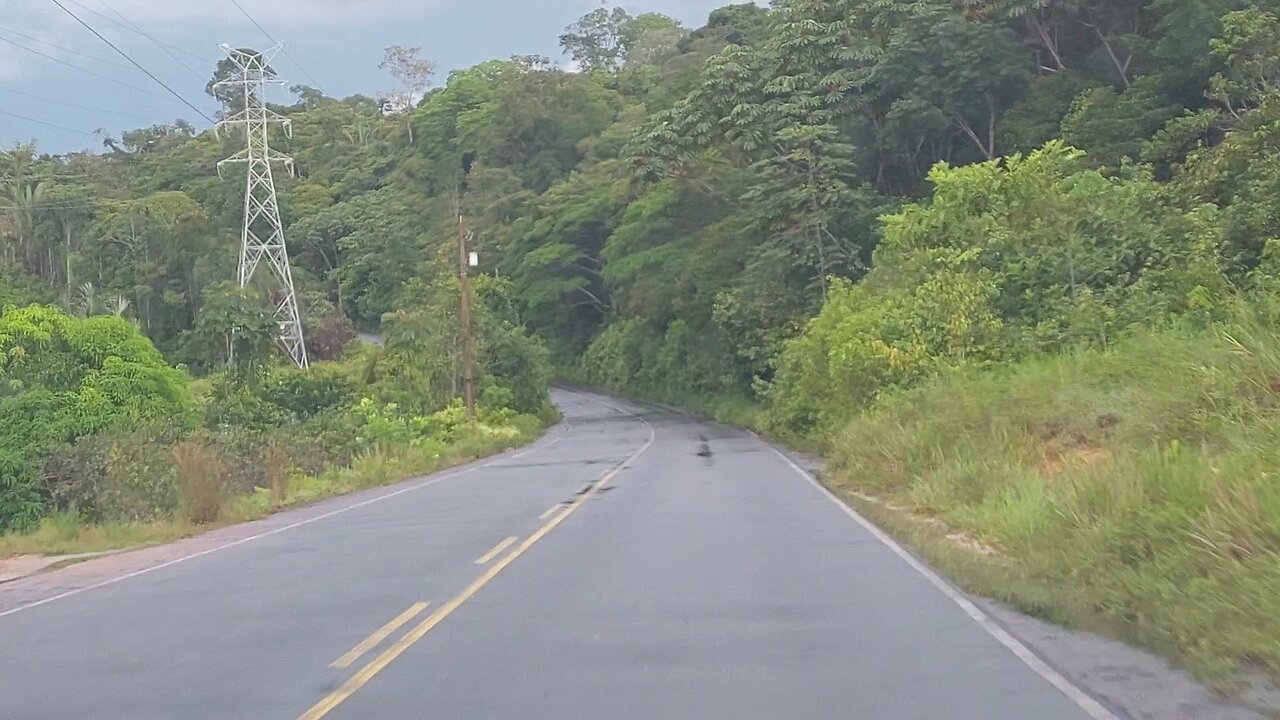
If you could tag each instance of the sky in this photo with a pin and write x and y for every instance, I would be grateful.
(75, 84)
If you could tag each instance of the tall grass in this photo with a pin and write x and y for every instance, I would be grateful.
(1142, 481)
(275, 465)
(205, 501)
(200, 481)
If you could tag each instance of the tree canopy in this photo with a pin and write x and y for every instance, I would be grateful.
(841, 195)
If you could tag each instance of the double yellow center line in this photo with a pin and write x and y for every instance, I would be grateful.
(398, 648)
(378, 636)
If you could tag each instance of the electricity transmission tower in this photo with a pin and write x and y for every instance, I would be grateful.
(263, 233)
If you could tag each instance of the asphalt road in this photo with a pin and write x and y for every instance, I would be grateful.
(631, 564)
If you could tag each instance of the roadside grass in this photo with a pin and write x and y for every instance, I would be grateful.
(1134, 491)
(66, 533)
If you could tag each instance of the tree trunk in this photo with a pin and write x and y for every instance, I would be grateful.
(1050, 43)
(1121, 68)
(66, 250)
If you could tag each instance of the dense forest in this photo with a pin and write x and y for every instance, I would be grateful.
(1035, 218)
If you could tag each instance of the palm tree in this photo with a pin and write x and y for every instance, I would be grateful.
(20, 200)
(118, 305)
(87, 300)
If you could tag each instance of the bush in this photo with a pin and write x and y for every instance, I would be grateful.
(236, 401)
(21, 505)
(513, 359)
(328, 440)
(1008, 259)
(67, 378)
(200, 487)
(118, 476)
(328, 338)
(305, 394)
(19, 289)
(275, 464)
(239, 454)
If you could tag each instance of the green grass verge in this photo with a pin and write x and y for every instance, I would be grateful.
(68, 534)
(1133, 491)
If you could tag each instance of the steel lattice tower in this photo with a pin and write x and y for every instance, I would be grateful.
(263, 234)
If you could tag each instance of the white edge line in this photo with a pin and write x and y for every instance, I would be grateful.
(293, 526)
(1084, 700)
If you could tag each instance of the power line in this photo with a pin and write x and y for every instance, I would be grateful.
(32, 38)
(86, 71)
(277, 43)
(126, 56)
(135, 30)
(54, 101)
(46, 123)
(163, 47)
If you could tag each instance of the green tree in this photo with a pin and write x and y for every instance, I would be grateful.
(63, 378)
(596, 41)
(649, 39)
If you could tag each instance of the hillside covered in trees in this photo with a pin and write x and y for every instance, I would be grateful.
(1049, 223)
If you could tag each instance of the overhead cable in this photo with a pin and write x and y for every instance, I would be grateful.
(46, 123)
(164, 47)
(133, 62)
(134, 30)
(33, 38)
(67, 103)
(281, 45)
(86, 71)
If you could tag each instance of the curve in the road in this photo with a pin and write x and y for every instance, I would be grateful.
(703, 581)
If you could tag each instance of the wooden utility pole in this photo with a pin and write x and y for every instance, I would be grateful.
(464, 318)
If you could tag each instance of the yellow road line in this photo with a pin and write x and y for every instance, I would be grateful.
(398, 648)
(550, 511)
(496, 549)
(378, 636)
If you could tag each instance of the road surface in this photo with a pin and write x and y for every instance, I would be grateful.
(631, 564)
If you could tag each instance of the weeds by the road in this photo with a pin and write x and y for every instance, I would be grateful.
(200, 472)
(1134, 489)
(68, 533)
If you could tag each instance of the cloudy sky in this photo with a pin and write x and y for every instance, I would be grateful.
(65, 83)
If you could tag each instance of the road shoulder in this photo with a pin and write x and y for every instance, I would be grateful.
(1136, 683)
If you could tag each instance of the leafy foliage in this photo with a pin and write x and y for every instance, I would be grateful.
(65, 378)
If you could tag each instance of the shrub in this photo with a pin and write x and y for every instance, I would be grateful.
(446, 425)
(234, 402)
(200, 488)
(275, 464)
(302, 395)
(68, 378)
(382, 425)
(1008, 259)
(239, 453)
(328, 338)
(328, 440)
(20, 503)
(17, 289)
(118, 476)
